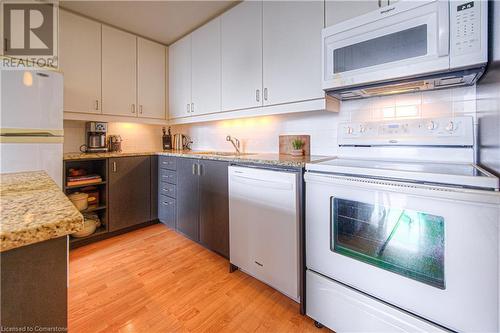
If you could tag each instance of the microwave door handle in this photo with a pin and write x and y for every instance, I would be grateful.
(443, 28)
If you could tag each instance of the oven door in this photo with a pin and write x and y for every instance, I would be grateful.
(406, 39)
(430, 251)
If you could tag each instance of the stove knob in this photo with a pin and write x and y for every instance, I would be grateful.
(450, 127)
(349, 130)
(362, 129)
(431, 125)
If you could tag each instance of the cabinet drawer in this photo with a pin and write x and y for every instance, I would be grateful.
(168, 162)
(168, 190)
(166, 211)
(168, 176)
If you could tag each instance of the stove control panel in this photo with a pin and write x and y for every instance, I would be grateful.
(452, 131)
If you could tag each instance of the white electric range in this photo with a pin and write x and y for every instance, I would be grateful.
(398, 245)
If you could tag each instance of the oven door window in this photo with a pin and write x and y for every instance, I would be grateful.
(406, 242)
(401, 45)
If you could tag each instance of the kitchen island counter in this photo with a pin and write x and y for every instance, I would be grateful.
(34, 209)
(36, 218)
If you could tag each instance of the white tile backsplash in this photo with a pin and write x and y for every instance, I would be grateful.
(261, 134)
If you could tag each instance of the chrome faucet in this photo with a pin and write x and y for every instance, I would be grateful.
(235, 142)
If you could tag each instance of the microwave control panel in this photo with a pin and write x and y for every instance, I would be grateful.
(466, 26)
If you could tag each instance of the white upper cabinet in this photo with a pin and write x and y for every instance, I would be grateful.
(241, 38)
(292, 51)
(179, 71)
(338, 11)
(206, 68)
(119, 72)
(150, 79)
(80, 61)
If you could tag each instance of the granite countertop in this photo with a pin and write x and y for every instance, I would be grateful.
(267, 158)
(34, 209)
(90, 156)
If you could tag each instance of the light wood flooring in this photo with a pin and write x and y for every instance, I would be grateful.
(155, 280)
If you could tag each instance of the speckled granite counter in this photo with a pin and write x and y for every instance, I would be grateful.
(89, 156)
(33, 209)
(268, 159)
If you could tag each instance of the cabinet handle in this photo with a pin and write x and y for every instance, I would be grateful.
(140, 109)
(133, 108)
(257, 95)
(265, 94)
(188, 110)
(97, 104)
(114, 166)
(379, 3)
(192, 107)
(199, 170)
(194, 169)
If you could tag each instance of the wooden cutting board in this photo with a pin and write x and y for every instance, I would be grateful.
(285, 144)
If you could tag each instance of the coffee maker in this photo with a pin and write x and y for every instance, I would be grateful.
(95, 136)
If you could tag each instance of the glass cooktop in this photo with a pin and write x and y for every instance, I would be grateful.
(445, 173)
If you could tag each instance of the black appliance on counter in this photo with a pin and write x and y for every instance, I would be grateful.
(166, 139)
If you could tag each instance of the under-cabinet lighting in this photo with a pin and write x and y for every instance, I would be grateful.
(28, 79)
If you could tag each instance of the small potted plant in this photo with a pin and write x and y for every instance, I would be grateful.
(297, 145)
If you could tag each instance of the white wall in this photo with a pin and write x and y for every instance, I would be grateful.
(261, 134)
(136, 137)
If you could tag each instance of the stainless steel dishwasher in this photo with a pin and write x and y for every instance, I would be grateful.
(263, 226)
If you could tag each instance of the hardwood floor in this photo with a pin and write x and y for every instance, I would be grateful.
(155, 280)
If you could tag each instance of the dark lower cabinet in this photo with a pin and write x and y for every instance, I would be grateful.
(193, 198)
(167, 189)
(214, 206)
(34, 294)
(154, 187)
(167, 213)
(129, 191)
(187, 198)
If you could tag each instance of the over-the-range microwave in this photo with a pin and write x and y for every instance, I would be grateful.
(405, 47)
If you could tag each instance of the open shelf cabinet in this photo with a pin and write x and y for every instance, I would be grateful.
(92, 166)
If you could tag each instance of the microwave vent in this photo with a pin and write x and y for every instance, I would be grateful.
(449, 81)
(396, 88)
(351, 94)
(438, 81)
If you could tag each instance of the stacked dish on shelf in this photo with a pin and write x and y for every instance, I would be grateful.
(91, 219)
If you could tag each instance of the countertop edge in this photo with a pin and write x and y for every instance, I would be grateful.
(34, 209)
(256, 158)
(18, 239)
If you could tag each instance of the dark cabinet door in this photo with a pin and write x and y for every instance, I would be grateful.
(167, 211)
(187, 198)
(214, 206)
(154, 187)
(129, 191)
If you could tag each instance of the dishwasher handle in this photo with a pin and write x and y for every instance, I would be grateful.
(263, 183)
